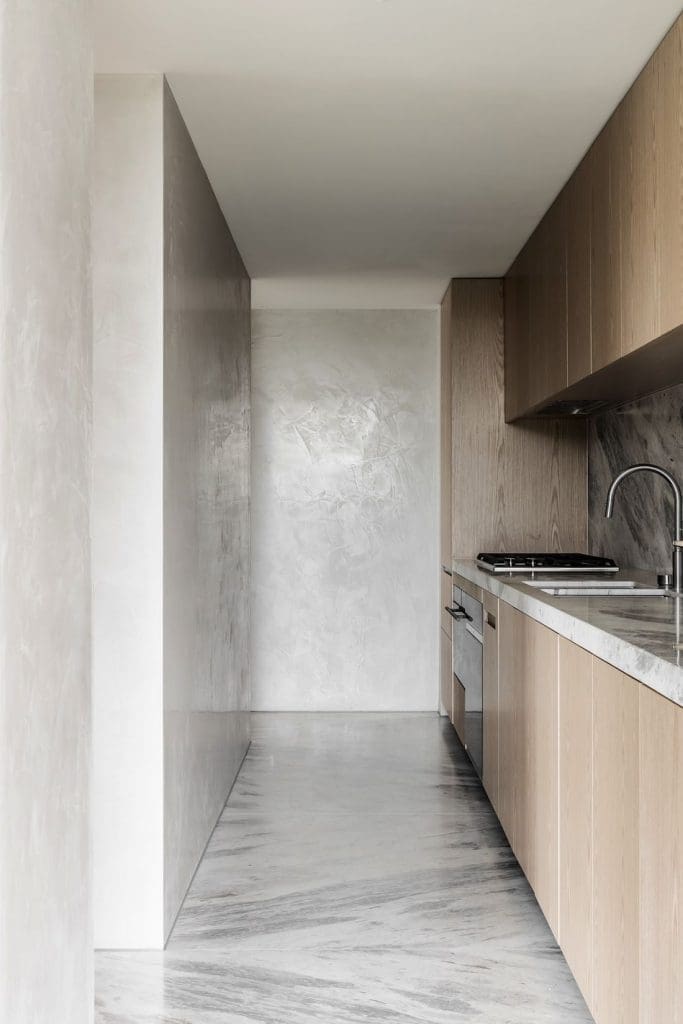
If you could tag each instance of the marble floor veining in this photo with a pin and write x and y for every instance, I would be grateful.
(357, 876)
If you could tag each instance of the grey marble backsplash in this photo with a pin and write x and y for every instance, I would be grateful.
(648, 430)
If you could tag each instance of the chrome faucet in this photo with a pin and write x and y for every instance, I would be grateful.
(677, 584)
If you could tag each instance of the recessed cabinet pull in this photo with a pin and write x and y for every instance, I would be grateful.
(490, 620)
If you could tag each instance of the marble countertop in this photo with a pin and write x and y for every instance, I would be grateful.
(638, 635)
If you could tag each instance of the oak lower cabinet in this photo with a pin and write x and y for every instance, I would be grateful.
(590, 794)
(490, 698)
(446, 670)
(528, 750)
(660, 766)
(575, 815)
(615, 846)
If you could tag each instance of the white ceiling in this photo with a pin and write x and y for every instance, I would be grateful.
(365, 151)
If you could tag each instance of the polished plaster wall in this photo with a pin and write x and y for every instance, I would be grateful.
(45, 396)
(127, 511)
(344, 526)
(649, 430)
(206, 509)
(170, 511)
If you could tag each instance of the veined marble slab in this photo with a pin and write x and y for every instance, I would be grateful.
(641, 636)
(358, 875)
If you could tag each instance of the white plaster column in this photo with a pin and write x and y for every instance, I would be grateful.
(45, 338)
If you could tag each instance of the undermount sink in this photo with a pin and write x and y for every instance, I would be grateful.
(597, 588)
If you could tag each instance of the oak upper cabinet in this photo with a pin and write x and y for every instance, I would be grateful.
(668, 106)
(578, 198)
(615, 988)
(661, 859)
(637, 171)
(517, 361)
(614, 240)
(490, 698)
(607, 167)
(548, 343)
(575, 817)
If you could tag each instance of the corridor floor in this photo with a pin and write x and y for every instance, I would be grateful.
(356, 876)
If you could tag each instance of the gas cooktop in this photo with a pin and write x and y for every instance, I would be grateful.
(503, 562)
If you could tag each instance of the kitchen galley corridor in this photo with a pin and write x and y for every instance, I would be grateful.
(357, 874)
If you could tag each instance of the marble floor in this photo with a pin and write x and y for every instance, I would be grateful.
(357, 876)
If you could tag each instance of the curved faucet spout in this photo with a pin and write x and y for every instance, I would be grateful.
(678, 513)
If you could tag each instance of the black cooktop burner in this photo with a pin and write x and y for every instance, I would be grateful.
(504, 561)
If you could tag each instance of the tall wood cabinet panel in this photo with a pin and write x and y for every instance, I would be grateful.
(661, 859)
(490, 698)
(446, 419)
(515, 487)
(575, 815)
(615, 846)
(579, 201)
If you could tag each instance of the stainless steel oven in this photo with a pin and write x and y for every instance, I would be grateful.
(468, 648)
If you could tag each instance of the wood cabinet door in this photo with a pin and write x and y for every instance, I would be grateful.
(578, 198)
(547, 350)
(446, 671)
(490, 698)
(510, 676)
(661, 859)
(615, 846)
(668, 118)
(516, 327)
(606, 245)
(537, 833)
(446, 427)
(575, 824)
(639, 300)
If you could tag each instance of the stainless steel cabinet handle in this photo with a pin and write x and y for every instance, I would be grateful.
(474, 632)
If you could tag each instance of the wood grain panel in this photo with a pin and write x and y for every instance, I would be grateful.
(538, 824)
(446, 673)
(510, 674)
(548, 350)
(661, 859)
(446, 459)
(576, 812)
(615, 846)
(668, 131)
(578, 198)
(518, 486)
(446, 599)
(490, 698)
(606, 159)
(639, 313)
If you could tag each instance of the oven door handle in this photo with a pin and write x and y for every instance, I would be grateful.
(474, 633)
(457, 613)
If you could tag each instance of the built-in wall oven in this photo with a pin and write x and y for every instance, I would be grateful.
(468, 648)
